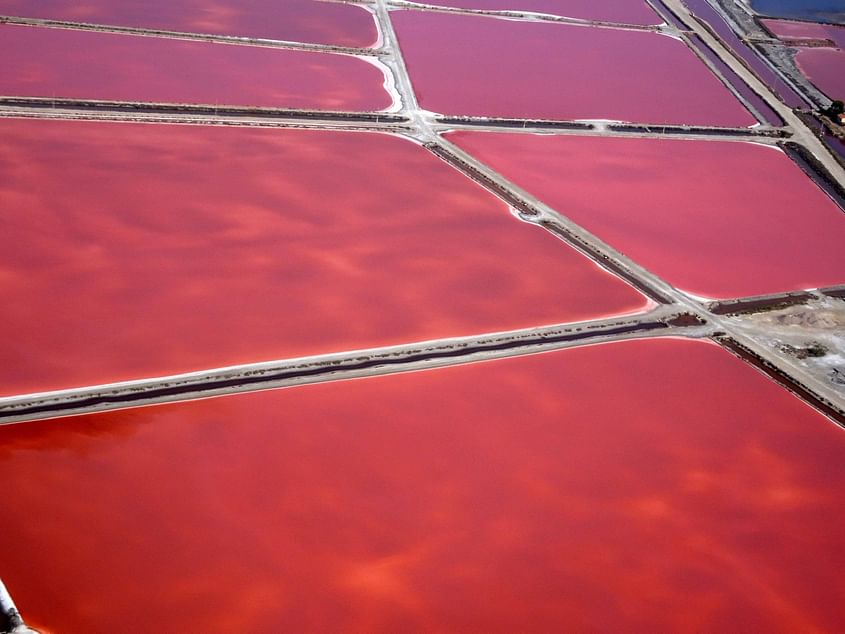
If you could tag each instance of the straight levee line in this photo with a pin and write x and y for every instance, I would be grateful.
(817, 394)
(763, 134)
(533, 210)
(235, 40)
(834, 411)
(132, 108)
(690, 39)
(523, 16)
(661, 321)
(812, 390)
(688, 317)
(161, 112)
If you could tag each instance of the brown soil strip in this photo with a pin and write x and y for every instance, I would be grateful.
(815, 170)
(759, 304)
(130, 107)
(516, 123)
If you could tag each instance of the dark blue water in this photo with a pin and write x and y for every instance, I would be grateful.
(817, 10)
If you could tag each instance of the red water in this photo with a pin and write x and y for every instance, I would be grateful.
(825, 67)
(714, 218)
(625, 11)
(301, 20)
(650, 486)
(46, 62)
(482, 66)
(134, 250)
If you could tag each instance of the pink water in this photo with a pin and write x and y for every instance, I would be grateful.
(787, 29)
(625, 11)
(717, 219)
(46, 62)
(302, 20)
(482, 66)
(133, 250)
(825, 67)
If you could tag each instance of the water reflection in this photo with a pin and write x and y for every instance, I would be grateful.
(135, 250)
(603, 488)
(299, 20)
(717, 219)
(519, 69)
(42, 62)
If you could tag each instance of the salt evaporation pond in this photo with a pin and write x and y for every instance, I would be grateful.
(624, 11)
(823, 66)
(301, 20)
(47, 62)
(131, 251)
(714, 218)
(653, 486)
(471, 65)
